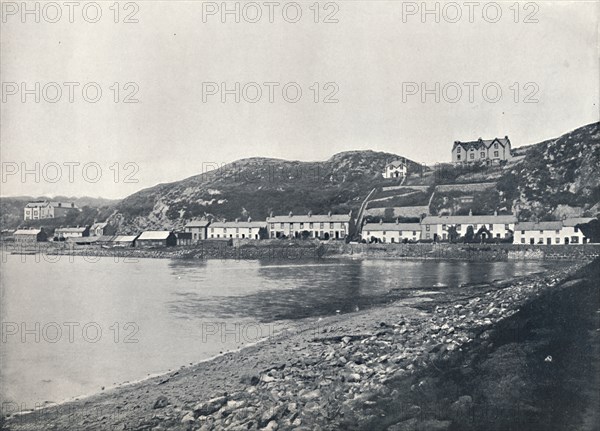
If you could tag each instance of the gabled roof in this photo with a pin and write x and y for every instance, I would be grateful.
(376, 227)
(70, 205)
(98, 226)
(27, 231)
(574, 221)
(481, 143)
(124, 238)
(198, 223)
(543, 225)
(154, 235)
(71, 229)
(239, 224)
(305, 218)
(37, 204)
(470, 219)
(396, 164)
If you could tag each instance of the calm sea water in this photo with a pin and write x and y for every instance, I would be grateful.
(71, 327)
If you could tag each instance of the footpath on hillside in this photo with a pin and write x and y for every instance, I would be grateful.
(518, 354)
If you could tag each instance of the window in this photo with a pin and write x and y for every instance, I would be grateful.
(458, 157)
(427, 236)
(444, 227)
(291, 225)
(495, 153)
(576, 229)
(414, 232)
(522, 240)
(522, 232)
(224, 230)
(321, 226)
(393, 240)
(384, 232)
(272, 226)
(482, 155)
(496, 145)
(557, 240)
(458, 149)
(506, 226)
(458, 227)
(237, 230)
(310, 225)
(475, 226)
(281, 225)
(472, 155)
(427, 228)
(212, 229)
(301, 225)
(330, 225)
(400, 233)
(542, 231)
(368, 233)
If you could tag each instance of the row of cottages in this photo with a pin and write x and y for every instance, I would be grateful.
(551, 232)
(39, 210)
(236, 229)
(490, 151)
(484, 226)
(325, 227)
(392, 232)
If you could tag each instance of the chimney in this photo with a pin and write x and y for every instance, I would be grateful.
(397, 221)
(309, 213)
(271, 214)
(470, 212)
(249, 219)
(350, 213)
(291, 214)
(495, 212)
(329, 214)
(237, 220)
(380, 221)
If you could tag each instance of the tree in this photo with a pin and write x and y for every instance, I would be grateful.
(452, 234)
(591, 230)
(470, 234)
(305, 234)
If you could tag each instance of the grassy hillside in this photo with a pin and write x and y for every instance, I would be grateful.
(257, 186)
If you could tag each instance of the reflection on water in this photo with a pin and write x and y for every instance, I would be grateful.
(171, 303)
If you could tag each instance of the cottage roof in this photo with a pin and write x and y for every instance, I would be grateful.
(124, 238)
(154, 235)
(305, 218)
(198, 223)
(543, 225)
(396, 164)
(27, 231)
(83, 239)
(574, 221)
(392, 227)
(98, 226)
(239, 224)
(36, 204)
(106, 238)
(470, 219)
(481, 143)
(70, 230)
(62, 204)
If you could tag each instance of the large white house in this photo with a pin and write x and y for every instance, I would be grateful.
(392, 232)
(44, 209)
(395, 169)
(236, 229)
(551, 232)
(329, 226)
(490, 151)
(486, 226)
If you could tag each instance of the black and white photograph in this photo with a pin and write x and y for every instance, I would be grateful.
(354, 215)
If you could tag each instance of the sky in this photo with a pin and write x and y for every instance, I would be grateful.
(395, 80)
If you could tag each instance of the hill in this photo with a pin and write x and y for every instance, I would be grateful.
(255, 187)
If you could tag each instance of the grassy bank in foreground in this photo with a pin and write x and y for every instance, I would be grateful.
(423, 363)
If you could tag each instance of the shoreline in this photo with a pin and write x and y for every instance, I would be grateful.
(285, 363)
(310, 250)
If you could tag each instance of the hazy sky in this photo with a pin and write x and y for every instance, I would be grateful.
(371, 57)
